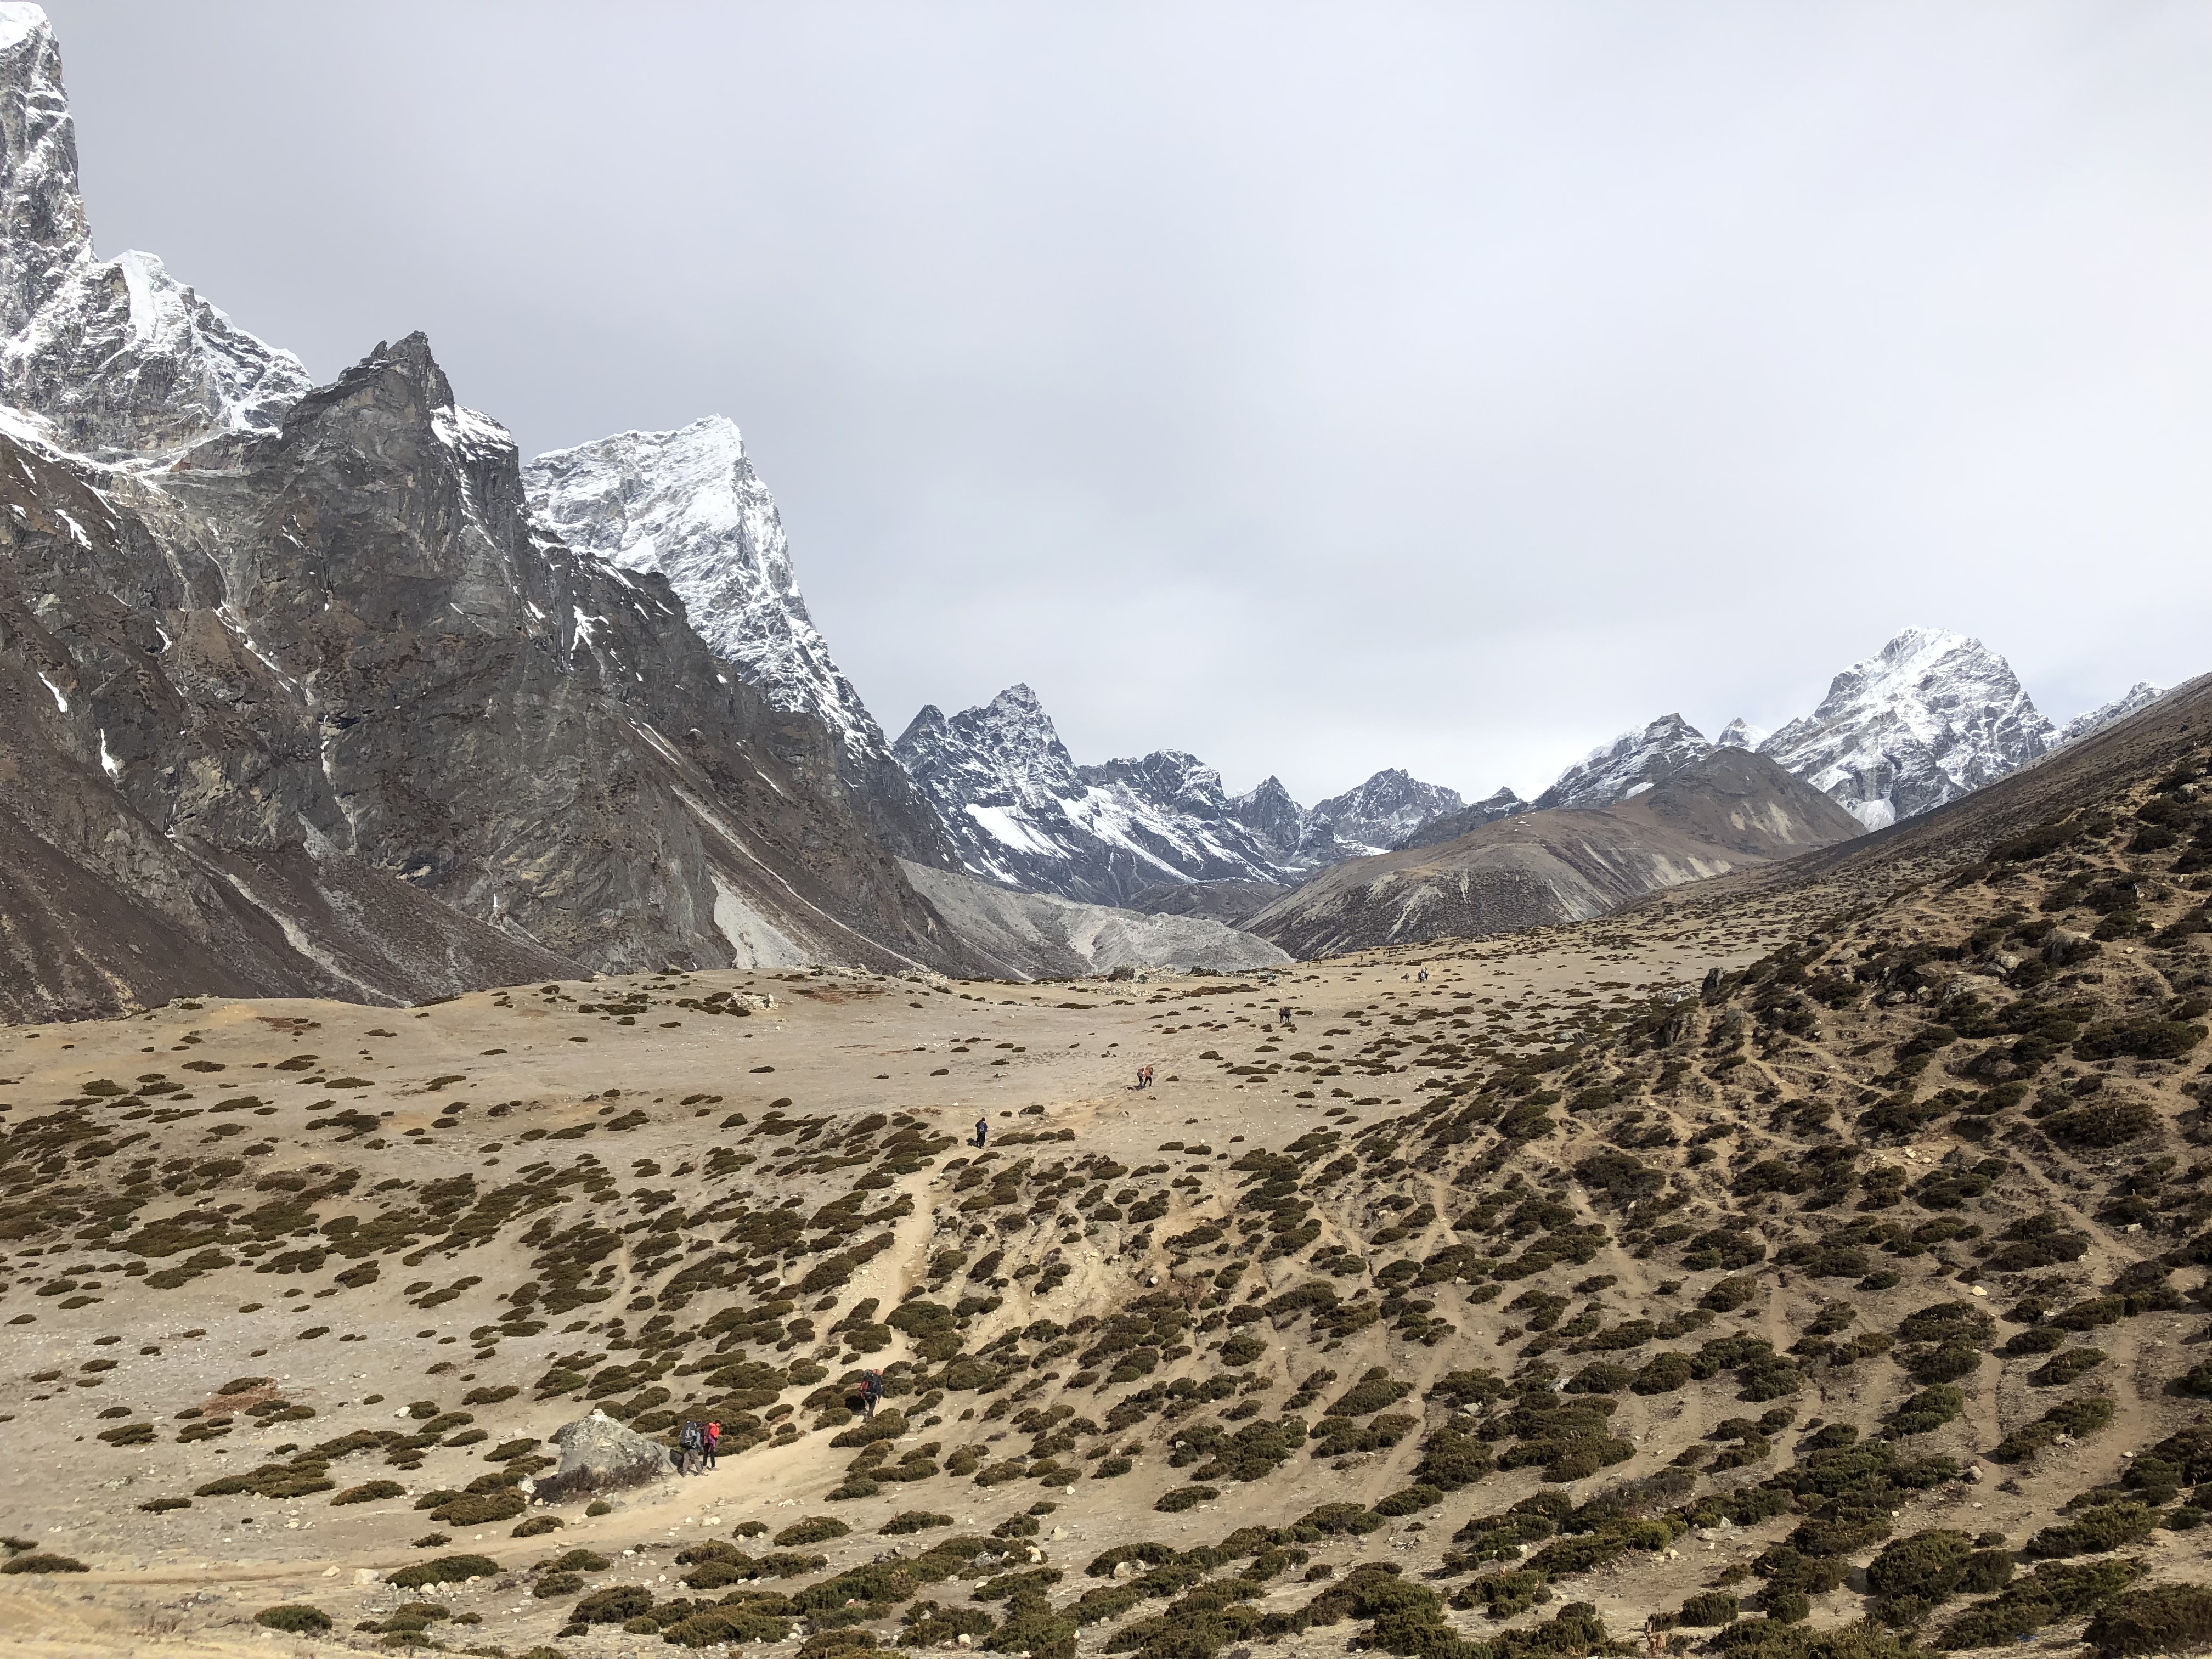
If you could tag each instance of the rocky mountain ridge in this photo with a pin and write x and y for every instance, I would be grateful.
(306, 699)
(1930, 717)
(1023, 813)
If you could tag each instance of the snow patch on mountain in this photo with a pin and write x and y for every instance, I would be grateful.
(2142, 695)
(1741, 734)
(1929, 718)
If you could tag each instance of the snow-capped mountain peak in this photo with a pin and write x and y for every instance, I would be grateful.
(1627, 766)
(1741, 734)
(687, 504)
(1930, 717)
(116, 354)
(1383, 812)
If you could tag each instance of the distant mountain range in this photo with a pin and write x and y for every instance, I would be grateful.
(1930, 717)
(1021, 812)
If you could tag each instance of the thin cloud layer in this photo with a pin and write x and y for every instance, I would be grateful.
(1314, 389)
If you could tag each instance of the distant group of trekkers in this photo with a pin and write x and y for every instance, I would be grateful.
(697, 1446)
(699, 1443)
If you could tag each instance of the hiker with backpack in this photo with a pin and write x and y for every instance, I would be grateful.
(714, 1443)
(982, 1130)
(872, 1392)
(691, 1447)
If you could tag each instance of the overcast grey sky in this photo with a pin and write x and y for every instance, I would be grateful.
(1316, 388)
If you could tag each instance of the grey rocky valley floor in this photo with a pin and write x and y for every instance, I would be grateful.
(1748, 1266)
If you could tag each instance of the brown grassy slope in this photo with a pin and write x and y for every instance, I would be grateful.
(1727, 810)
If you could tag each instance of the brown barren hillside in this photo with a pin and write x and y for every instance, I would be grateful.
(1798, 1273)
(1725, 810)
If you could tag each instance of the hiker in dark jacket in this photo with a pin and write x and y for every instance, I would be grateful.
(982, 1130)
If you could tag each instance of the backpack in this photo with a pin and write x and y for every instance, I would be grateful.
(694, 1438)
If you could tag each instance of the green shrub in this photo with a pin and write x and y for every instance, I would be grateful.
(1505, 1594)
(1451, 1460)
(445, 1570)
(2063, 1368)
(2101, 1123)
(2106, 1527)
(480, 1509)
(2196, 1384)
(1928, 1563)
(2138, 1039)
(1601, 1377)
(1709, 1608)
(913, 1521)
(1185, 1498)
(1369, 1395)
(537, 1527)
(1729, 1294)
(617, 1604)
(42, 1563)
(2163, 1619)
(295, 1618)
(2052, 1593)
(1409, 1500)
(370, 1492)
(1929, 1410)
(1242, 1348)
(814, 1529)
(550, 1584)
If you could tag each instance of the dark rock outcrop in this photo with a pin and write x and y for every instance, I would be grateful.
(303, 699)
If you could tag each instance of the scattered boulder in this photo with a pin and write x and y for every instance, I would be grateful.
(600, 1455)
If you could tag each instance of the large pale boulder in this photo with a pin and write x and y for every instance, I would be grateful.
(598, 1453)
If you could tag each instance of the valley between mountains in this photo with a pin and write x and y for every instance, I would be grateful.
(1812, 1263)
(485, 992)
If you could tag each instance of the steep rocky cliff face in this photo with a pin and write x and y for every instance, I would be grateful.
(689, 506)
(1504, 804)
(304, 698)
